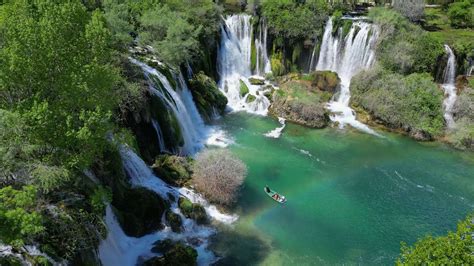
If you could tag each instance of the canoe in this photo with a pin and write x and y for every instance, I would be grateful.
(271, 194)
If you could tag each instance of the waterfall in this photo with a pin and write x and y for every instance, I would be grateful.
(180, 102)
(347, 57)
(449, 87)
(262, 65)
(120, 249)
(159, 135)
(235, 64)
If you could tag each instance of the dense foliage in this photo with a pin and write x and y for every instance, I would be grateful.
(461, 14)
(456, 248)
(404, 47)
(295, 19)
(412, 102)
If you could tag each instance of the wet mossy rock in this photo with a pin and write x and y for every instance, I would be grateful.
(176, 254)
(207, 96)
(297, 102)
(256, 81)
(139, 211)
(325, 81)
(10, 261)
(193, 211)
(250, 98)
(174, 221)
(244, 89)
(174, 170)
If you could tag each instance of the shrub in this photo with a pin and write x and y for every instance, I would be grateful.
(218, 175)
(461, 14)
(454, 249)
(412, 9)
(412, 102)
(404, 47)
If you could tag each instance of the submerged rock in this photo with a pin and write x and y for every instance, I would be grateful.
(193, 211)
(173, 254)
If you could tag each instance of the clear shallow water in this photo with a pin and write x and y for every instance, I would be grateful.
(352, 197)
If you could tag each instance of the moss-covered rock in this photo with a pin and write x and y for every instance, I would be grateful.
(325, 81)
(244, 89)
(298, 103)
(178, 254)
(193, 211)
(139, 211)
(207, 96)
(256, 81)
(250, 98)
(10, 261)
(175, 170)
(174, 221)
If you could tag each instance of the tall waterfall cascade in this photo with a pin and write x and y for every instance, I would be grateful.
(120, 249)
(347, 56)
(235, 64)
(180, 101)
(449, 87)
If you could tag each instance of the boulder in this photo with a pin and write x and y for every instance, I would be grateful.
(139, 211)
(250, 98)
(257, 81)
(243, 88)
(325, 81)
(177, 253)
(193, 211)
(207, 96)
(174, 221)
(297, 103)
(175, 170)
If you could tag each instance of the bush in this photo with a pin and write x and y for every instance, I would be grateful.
(412, 9)
(412, 102)
(218, 175)
(461, 14)
(404, 47)
(454, 249)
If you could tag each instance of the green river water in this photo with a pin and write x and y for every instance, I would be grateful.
(352, 197)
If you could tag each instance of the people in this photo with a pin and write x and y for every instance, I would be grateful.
(267, 189)
(276, 196)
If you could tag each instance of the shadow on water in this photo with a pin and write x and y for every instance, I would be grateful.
(239, 248)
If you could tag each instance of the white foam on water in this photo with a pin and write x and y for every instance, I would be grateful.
(276, 133)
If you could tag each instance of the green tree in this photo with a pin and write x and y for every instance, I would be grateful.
(19, 217)
(456, 248)
(295, 19)
(172, 36)
(55, 71)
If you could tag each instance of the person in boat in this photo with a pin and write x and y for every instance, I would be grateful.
(276, 196)
(267, 189)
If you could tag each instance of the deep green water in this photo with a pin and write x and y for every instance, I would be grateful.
(352, 197)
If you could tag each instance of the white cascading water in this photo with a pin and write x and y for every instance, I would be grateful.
(347, 57)
(449, 87)
(159, 135)
(181, 104)
(234, 63)
(262, 65)
(276, 133)
(120, 249)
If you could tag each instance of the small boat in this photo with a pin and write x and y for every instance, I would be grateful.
(274, 195)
